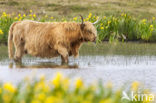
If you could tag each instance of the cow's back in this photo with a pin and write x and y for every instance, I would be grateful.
(36, 36)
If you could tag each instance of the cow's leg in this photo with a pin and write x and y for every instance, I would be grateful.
(19, 51)
(18, 54)
(76, 52)
(64, 59)
(64, 54)
(75, 49)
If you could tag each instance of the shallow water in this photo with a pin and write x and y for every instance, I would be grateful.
(119, 63)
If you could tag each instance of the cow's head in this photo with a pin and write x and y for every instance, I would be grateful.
(89, 32)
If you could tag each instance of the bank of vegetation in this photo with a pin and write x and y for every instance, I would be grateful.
(112, 28)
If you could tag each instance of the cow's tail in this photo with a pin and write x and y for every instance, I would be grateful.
(10, 41)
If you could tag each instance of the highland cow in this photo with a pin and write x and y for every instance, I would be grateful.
(49, 39)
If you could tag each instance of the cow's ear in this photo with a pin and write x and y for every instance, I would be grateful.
(82, 26)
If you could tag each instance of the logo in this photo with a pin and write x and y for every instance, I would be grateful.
(133, 96)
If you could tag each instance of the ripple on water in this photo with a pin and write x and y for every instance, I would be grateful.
(102, 65)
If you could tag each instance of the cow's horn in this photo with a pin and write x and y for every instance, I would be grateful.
(96, 21)
(82, 19)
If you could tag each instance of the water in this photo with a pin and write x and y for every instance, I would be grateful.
(119, 63)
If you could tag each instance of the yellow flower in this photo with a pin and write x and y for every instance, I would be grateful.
(109, 22)
(125, 15)
(135, 85)
(6, 98)
(34, 15)
(102, 27)
(1, 32)
(19, 15)
(75, 18)
(30, 11)
(16, 18)
(144, 20)
(151, 26)
(52, 17)
(30, 15)
(35, 101)
(151, 29)
(109, 100)
(153, 18)
(4, 14)
(41, 96)
(148, 99)
(87, 19)
(42, 86)
(90, 15)
(122, 14)
(66, 83)
(56, 81)
(50, 99)
(24, 15)
(79, 83)
(9, 87)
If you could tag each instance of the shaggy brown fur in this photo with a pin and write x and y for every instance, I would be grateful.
(48, 39)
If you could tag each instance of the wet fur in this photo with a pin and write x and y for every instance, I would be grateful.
(48, 39)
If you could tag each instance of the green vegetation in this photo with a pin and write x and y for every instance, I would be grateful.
(70, 8)
(60, 90)
(128, 20)
(112, 28)
(126, 28)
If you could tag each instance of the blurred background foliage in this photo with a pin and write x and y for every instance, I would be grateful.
(69, 8)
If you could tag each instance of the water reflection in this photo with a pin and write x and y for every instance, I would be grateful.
(119, 63)
(44, 65)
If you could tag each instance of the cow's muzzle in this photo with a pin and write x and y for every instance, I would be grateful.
(94, 40)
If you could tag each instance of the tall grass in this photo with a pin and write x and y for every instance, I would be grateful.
(5, 22)
(112, 28)
(126, 28)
